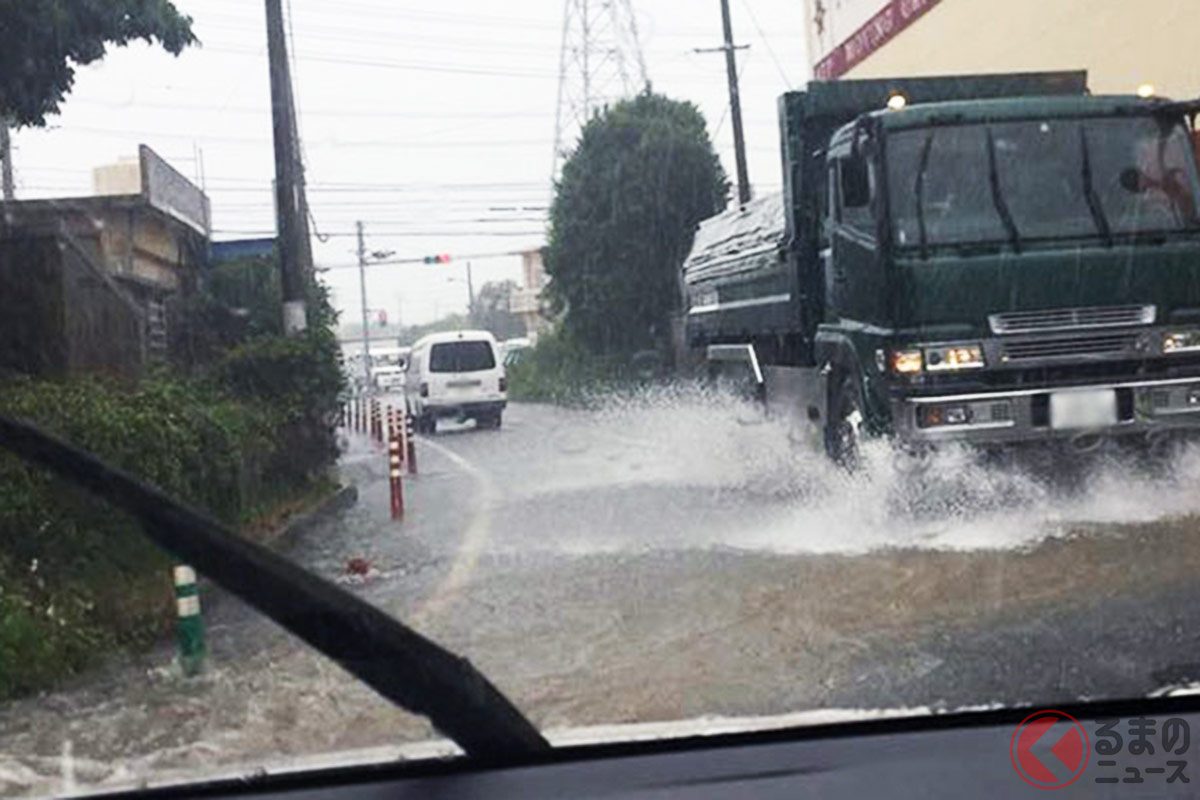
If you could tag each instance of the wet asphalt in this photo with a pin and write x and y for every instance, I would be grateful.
(665, 561)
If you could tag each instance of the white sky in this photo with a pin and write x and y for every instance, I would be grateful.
(416, 117)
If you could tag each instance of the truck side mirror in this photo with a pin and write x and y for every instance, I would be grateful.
(856, 186)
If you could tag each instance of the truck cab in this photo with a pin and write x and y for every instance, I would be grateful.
(987, 259)
(1016, 268)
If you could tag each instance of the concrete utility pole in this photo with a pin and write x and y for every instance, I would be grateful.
(6, 174)
(735, 102)
(295, 255)
(362, 285)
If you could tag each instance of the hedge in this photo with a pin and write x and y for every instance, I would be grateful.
(79, 579)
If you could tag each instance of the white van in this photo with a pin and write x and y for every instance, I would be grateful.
(388, 377)
(457, 374)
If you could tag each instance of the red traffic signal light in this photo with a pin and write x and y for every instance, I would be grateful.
(442, 258)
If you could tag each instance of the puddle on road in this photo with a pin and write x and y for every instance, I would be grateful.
(687, 438)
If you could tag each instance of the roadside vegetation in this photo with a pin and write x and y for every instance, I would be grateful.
(642, 176)
(239, 424)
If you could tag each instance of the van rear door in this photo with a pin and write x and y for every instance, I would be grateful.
(461, 371)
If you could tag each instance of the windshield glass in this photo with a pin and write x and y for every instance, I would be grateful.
(516, 327)
(461, 357)
(1041, 180)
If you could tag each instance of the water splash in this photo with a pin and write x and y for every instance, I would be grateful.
(954, 498)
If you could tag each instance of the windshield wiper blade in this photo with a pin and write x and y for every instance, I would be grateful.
(391, 658)
(998, 198)
(1089, 191)
(922, 165)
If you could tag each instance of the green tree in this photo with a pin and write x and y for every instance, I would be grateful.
(492, 311)
(642, 176)
(42, 41)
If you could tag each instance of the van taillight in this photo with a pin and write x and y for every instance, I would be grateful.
(424, 390)
(503, 383)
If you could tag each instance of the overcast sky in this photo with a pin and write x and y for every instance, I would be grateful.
(433, 123)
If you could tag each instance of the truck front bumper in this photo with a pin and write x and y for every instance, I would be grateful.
(1142, 408)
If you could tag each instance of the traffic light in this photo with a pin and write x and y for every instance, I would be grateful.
(442, 258)
(382, 317)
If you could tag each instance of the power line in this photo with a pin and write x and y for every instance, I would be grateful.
(767, 43)
(411, 66)
(200, 137)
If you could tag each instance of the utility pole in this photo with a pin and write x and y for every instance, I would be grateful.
(6, 173)
(362, 285)
(735, 102)
(289, 194)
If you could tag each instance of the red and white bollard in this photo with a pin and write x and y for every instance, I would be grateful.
(410, 443)
(395, 457)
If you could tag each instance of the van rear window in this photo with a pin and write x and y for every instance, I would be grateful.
(461, 357)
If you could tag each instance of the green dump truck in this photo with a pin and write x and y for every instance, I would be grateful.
(986, 259)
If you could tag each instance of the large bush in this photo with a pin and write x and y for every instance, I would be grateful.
(642, 175)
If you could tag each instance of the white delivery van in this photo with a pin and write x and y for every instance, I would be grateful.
(458, 374)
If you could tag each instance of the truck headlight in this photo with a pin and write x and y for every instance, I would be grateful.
(959, 356)
(1181, 341)
(906, 362)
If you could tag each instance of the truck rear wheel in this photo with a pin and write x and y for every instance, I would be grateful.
(843, 425)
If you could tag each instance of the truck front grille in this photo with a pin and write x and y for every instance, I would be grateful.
(1070, 347)
(1066, 319)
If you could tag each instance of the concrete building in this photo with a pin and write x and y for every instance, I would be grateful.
(1122, 44)
(527, 301)
(90, 284)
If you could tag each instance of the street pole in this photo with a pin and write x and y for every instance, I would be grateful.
(289, 201)
(6, 172)
(362, 285)
(735, 108)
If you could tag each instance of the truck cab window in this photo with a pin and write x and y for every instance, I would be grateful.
(857, 187)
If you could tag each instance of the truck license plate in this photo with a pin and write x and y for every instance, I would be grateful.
(1093, 408)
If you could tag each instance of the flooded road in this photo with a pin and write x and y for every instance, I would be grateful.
(667, 559)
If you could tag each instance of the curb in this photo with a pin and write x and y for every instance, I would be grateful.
(342, 498)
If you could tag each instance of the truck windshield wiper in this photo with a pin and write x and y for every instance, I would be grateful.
(391, 658)
(922, 165)
(998, 197)
(1089, 190)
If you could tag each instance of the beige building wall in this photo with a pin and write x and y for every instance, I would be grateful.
(1121, 43)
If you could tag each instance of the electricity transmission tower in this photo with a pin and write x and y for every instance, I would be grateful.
(600, 63)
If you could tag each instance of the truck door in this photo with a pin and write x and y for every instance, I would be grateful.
(856, 288)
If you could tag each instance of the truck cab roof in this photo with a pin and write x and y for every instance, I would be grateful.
(954, 112)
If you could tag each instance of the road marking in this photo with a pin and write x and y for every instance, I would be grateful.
(468, 552)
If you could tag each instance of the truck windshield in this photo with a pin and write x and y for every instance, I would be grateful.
(1056, 179)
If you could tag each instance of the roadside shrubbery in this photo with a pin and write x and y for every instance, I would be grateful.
(560, 370)
(241, 426)
(78, 578)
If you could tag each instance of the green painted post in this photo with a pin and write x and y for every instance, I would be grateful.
(190, 627)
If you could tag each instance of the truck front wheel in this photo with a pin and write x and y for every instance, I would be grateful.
(844, 424)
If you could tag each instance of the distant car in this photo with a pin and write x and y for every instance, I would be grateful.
(514, 349)
(457, 374)
(388, 378)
